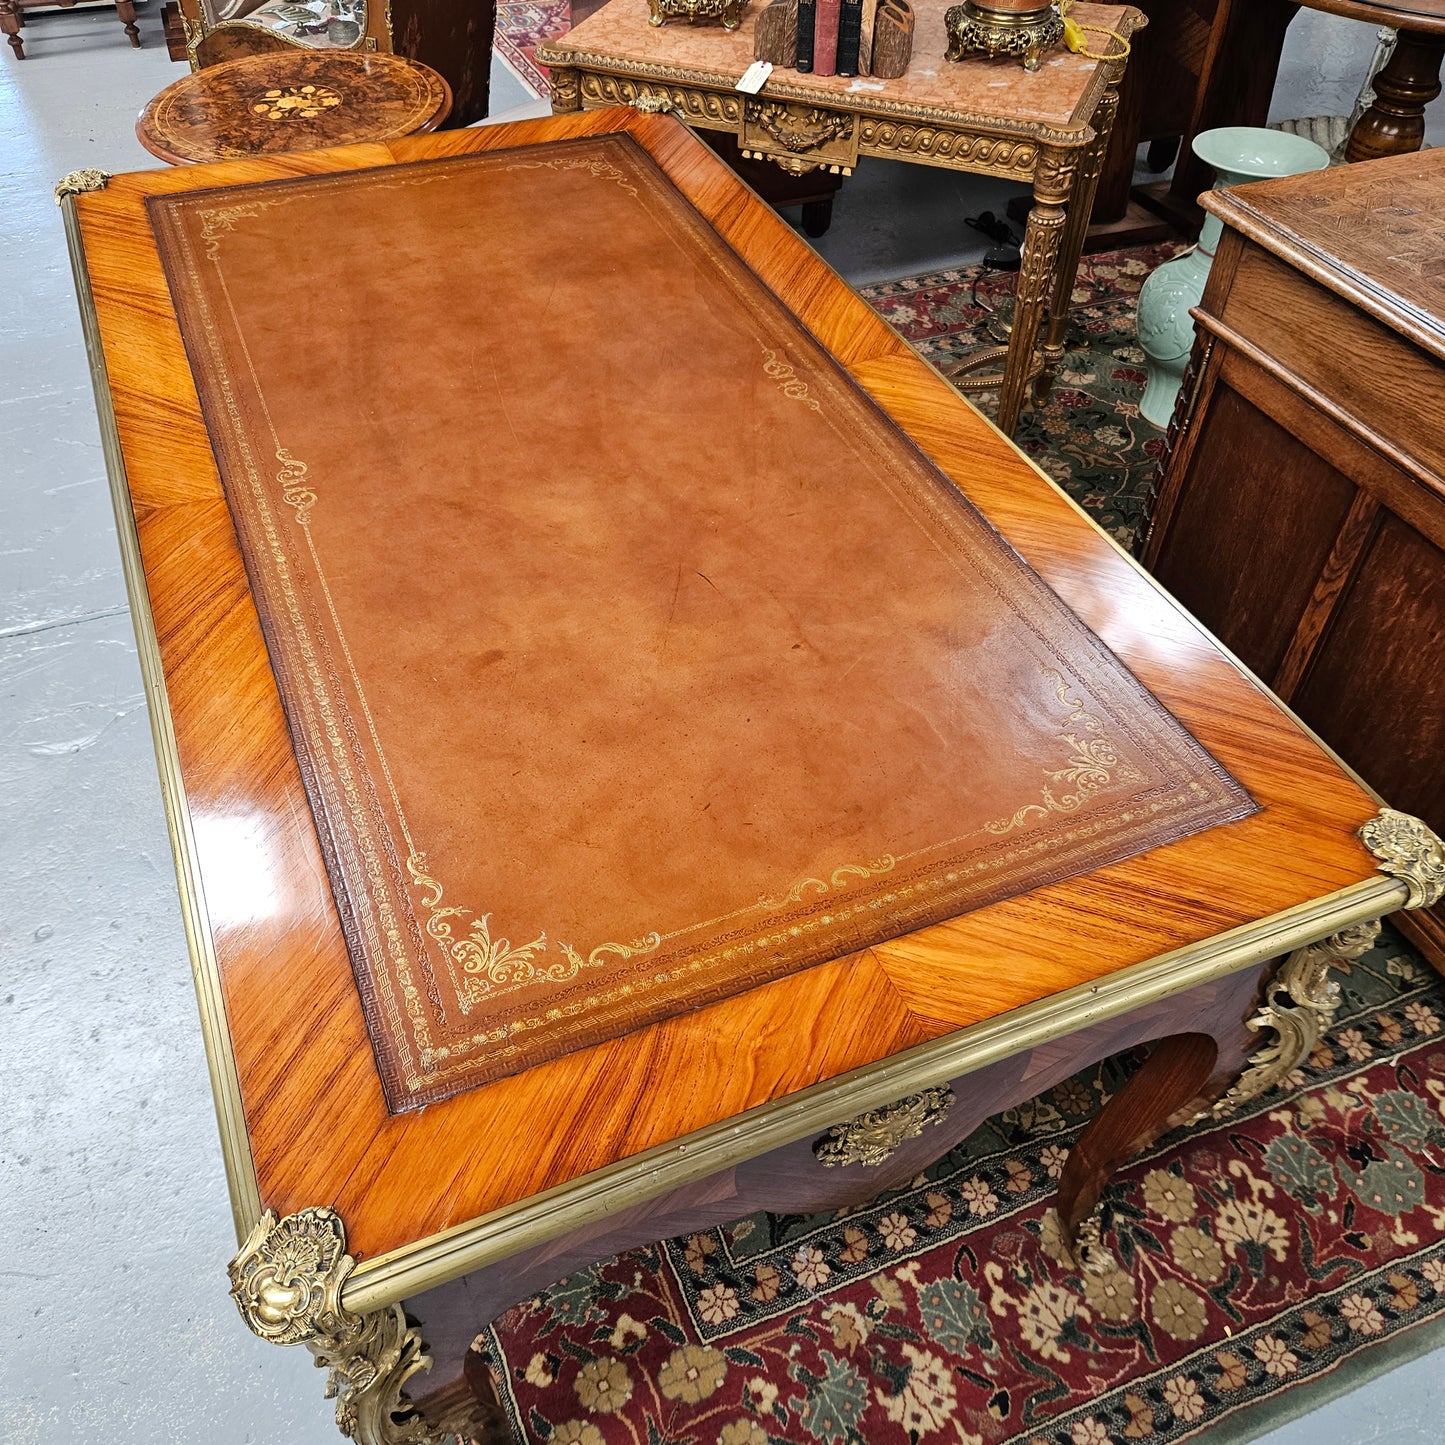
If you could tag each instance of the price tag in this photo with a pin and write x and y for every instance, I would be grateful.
(755, 77)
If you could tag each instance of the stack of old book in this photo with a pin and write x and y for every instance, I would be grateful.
(854, 37)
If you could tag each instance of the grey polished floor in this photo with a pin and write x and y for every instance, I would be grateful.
(113, 1219)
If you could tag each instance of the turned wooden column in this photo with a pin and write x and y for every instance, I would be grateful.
(1395, 122)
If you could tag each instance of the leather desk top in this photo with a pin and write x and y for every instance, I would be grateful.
(427, 1193)
(1061, 94)
(633, 658)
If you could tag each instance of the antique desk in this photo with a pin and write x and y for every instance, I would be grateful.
(291, 100)
(988, 117)
(1301, 507)
(660, 585)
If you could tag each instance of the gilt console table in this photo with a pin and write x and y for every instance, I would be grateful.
(670, 601)
(1049, 129)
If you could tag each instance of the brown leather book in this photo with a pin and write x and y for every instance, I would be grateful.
(633, 657)
(825, 38)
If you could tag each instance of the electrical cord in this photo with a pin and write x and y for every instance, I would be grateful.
(1074, 36)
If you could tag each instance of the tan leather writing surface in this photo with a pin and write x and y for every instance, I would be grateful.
(632, 655)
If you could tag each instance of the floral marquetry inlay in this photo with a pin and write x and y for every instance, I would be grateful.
(305, 101)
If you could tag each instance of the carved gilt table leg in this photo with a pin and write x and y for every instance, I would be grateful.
(1053, 181)
(287, 1281)
(1076, 226)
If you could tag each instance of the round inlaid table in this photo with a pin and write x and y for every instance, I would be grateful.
(293, 100)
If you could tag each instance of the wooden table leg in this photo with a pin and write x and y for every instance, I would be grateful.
(1071, 241)
(10, 27)
(125, 9)
(1168, 1079)
(1190, 1074)
(1394, 124)
(1053, 180)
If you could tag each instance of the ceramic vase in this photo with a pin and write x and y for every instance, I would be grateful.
(1236, 153)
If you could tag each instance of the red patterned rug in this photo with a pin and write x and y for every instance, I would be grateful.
(1288, 1250)
(1089, 437)
(522, 25)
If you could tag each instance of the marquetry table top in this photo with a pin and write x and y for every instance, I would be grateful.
(290, 100)
(1060, 97)
(427, 1194)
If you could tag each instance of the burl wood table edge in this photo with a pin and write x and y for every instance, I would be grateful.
(294, 1280)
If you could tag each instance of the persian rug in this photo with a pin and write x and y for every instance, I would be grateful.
(522, 25)
(1089, 437)
(1261, 1263)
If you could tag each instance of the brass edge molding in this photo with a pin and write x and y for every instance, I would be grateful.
(871, 106)
(875, 1137)
(451, 1253)
(286, 1281)
(1410, 851)
(205, 969)
(1299, 1005)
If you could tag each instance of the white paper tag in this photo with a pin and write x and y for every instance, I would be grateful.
(755, 76)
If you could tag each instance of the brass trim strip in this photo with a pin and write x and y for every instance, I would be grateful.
(220, 1060)
(491, 1237)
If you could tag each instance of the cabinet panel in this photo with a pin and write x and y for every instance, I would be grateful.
(1256, 518)
(1376, 688)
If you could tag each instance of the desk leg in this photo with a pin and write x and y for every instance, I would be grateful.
(125, 11)
(1071, 242)
(1053, 180)
(10, 27)
(1188, 1075)
(287, 1282)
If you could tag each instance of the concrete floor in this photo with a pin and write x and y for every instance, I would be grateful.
(113, 1215)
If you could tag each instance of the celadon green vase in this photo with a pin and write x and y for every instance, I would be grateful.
(1166, 330)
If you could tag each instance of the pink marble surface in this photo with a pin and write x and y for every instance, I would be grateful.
(1001, 87)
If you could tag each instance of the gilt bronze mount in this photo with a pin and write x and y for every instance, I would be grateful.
(1002, 30)
(729, 12)
(873, 1138)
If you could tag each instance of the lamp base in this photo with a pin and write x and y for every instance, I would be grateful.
(729, 12)
(974, 28)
